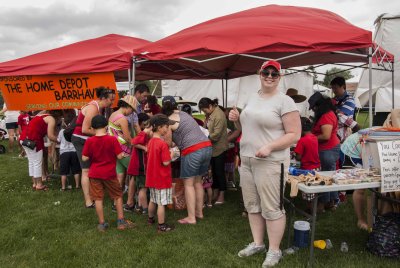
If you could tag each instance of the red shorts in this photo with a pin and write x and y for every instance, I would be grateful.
(97, 187)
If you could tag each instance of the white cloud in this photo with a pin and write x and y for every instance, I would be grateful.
(28, 27)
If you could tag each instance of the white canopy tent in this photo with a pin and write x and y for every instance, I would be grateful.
(238, 89)
(387, 35)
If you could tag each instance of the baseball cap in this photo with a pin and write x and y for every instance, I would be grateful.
(312, 101)
(99, 121)
(272, 63)
(170, 99)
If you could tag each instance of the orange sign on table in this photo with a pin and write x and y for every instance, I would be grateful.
(51, 92)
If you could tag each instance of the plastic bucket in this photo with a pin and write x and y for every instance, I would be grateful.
(301, 233)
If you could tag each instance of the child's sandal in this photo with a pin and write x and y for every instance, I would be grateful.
(162, 228)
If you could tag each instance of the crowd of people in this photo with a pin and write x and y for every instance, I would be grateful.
(142, 146)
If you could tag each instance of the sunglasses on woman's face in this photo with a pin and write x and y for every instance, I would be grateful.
(273, 74)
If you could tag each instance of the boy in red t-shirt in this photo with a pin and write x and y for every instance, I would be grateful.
(307, 153)
(137, 168)
(307, 147)
(158, 171)
(102, 151)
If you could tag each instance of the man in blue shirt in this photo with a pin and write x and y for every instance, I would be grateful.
(345, 106)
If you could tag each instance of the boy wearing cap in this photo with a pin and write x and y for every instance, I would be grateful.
(158, 171)
(102, 151)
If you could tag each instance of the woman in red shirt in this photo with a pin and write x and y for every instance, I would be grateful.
(325, 128)
(44, 123)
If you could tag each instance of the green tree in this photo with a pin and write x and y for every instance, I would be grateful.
(333, 72)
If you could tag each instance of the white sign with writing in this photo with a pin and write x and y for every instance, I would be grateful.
(389, 157)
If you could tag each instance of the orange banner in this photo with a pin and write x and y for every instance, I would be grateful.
(52, 92)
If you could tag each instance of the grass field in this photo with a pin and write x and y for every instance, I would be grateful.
(34, 232)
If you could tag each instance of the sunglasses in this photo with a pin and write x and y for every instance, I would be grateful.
(274, 74)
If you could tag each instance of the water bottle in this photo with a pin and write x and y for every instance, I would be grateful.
(329, 244)
(344, 247)
(297, 172)
(291, 250)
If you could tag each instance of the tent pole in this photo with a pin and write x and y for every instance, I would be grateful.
(226, 93)
(132, 84)
(223, 97)
(393, 84)
(370, 84)
(129, 79)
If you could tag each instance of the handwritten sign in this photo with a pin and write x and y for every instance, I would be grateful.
(52, 92)
(389, 157)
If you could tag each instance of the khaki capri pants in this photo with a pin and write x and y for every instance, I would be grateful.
(260, 182)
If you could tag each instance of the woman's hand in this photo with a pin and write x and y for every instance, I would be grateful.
(264, 151)
(234, 115)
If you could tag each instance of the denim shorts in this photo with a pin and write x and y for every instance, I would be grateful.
(196, 163)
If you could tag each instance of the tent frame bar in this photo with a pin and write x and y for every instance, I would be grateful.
(373, 52)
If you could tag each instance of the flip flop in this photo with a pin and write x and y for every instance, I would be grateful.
(183, 221)
(44, 188)
(362, 226)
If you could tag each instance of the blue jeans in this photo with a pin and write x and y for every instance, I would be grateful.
(328, 160)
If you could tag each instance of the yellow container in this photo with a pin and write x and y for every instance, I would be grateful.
(321, 244)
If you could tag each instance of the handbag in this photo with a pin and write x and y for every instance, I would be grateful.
(29, 144)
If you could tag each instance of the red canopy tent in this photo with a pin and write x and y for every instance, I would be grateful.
(103, 54)
(234, 45)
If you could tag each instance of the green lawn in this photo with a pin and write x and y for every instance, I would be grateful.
(362, 119)
(34, 232)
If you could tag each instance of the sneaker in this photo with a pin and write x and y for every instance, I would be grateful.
(251, 249)
(113, 208)
(272, 259)
(145, 211)
(162, 228)
(125, 224)
(102, 227)
(128, 208)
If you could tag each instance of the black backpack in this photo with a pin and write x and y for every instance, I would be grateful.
(384, 240)
(69, 130)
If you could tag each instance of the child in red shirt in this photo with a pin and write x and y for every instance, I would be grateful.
(307, 153)
(137, 168)
(307, 147)
(23, 122)
(102, 151)
(158, 171)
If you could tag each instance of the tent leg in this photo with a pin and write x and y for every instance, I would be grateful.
(226, 93)
(223, 93)
(132, 82)
(370, 84)
(393, 84)
(129, 79)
